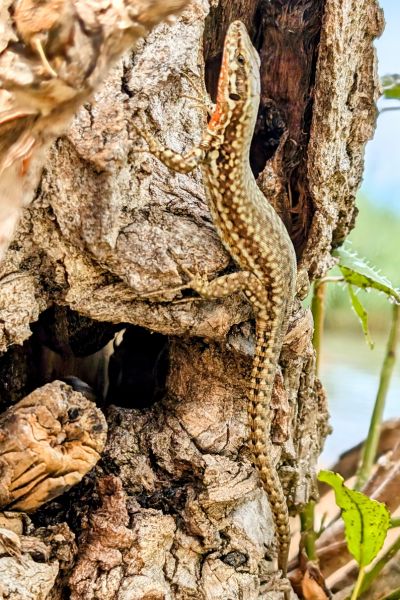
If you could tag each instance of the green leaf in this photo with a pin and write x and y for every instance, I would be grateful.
(361, 314)
(391, 86)
(366, 521)
(359, 273)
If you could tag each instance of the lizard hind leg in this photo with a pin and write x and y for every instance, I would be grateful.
(223, 286)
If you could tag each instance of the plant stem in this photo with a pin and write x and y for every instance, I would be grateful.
(394, 522)
(307, 516)
(357, 587)
(378, 566)
(395, 595)
(331, 279)
(389, 108)
(307, 528)
(318, 312)
(371, 443)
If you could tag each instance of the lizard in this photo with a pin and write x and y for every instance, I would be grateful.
(255, 237)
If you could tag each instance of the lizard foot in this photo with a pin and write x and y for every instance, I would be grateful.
(197, 282)
(202, 98)
(142, 131)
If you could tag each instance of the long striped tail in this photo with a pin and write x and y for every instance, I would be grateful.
(268, 342)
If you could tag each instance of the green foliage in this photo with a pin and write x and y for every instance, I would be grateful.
(391, 86)
(366, 521)
(356, 272)
(361, 314)
(373, 223)
(376, 235)
(359, 273)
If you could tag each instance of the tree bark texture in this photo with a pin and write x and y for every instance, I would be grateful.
(174, 509)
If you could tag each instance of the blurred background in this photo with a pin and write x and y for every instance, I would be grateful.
(349, 368)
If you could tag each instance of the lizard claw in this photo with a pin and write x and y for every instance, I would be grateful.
(37, 44)
(165, 291)
(203, 99)
(196, 282)
(141, 129)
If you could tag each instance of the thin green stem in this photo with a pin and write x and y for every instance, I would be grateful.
(307, 527)
(371, 443)
(394, 522)
(395, 595)
(378, 566)
(331, 279)
(318, 312)
(357, 587)
(307, 516)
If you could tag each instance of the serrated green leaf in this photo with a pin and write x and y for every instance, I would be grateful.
(359, 273)
(366, 521)
(361, 314)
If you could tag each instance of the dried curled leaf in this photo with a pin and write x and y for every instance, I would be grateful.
(48, 442)
(56, 55)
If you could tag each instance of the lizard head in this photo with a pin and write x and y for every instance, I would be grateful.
(239, 80)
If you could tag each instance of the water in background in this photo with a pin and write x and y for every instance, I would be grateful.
(350, 371)
(350, 374)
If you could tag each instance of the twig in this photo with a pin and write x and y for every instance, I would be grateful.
(357, 587)
(307, 516)
(372, 441)
(318, 312)
(379, 565)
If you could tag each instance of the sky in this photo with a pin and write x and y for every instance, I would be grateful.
(382, 162)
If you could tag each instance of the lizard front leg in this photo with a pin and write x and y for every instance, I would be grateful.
(180, 163)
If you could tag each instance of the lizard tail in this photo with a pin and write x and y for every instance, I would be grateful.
(260, 390)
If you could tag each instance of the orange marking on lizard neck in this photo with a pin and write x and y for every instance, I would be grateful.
(221, 94)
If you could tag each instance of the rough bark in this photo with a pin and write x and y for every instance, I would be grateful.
(174, 509)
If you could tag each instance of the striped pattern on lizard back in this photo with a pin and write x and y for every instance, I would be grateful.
(254, 236)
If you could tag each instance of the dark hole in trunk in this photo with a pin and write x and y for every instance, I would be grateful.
(138, 369)
(129, 372)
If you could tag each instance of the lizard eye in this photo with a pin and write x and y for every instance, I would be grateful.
(240, 59)
(234, 96)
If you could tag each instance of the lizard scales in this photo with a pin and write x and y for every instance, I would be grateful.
(255, 237)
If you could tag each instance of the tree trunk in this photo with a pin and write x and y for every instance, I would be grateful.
(174, 508)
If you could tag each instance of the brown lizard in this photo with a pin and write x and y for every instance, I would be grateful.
(254, 236)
